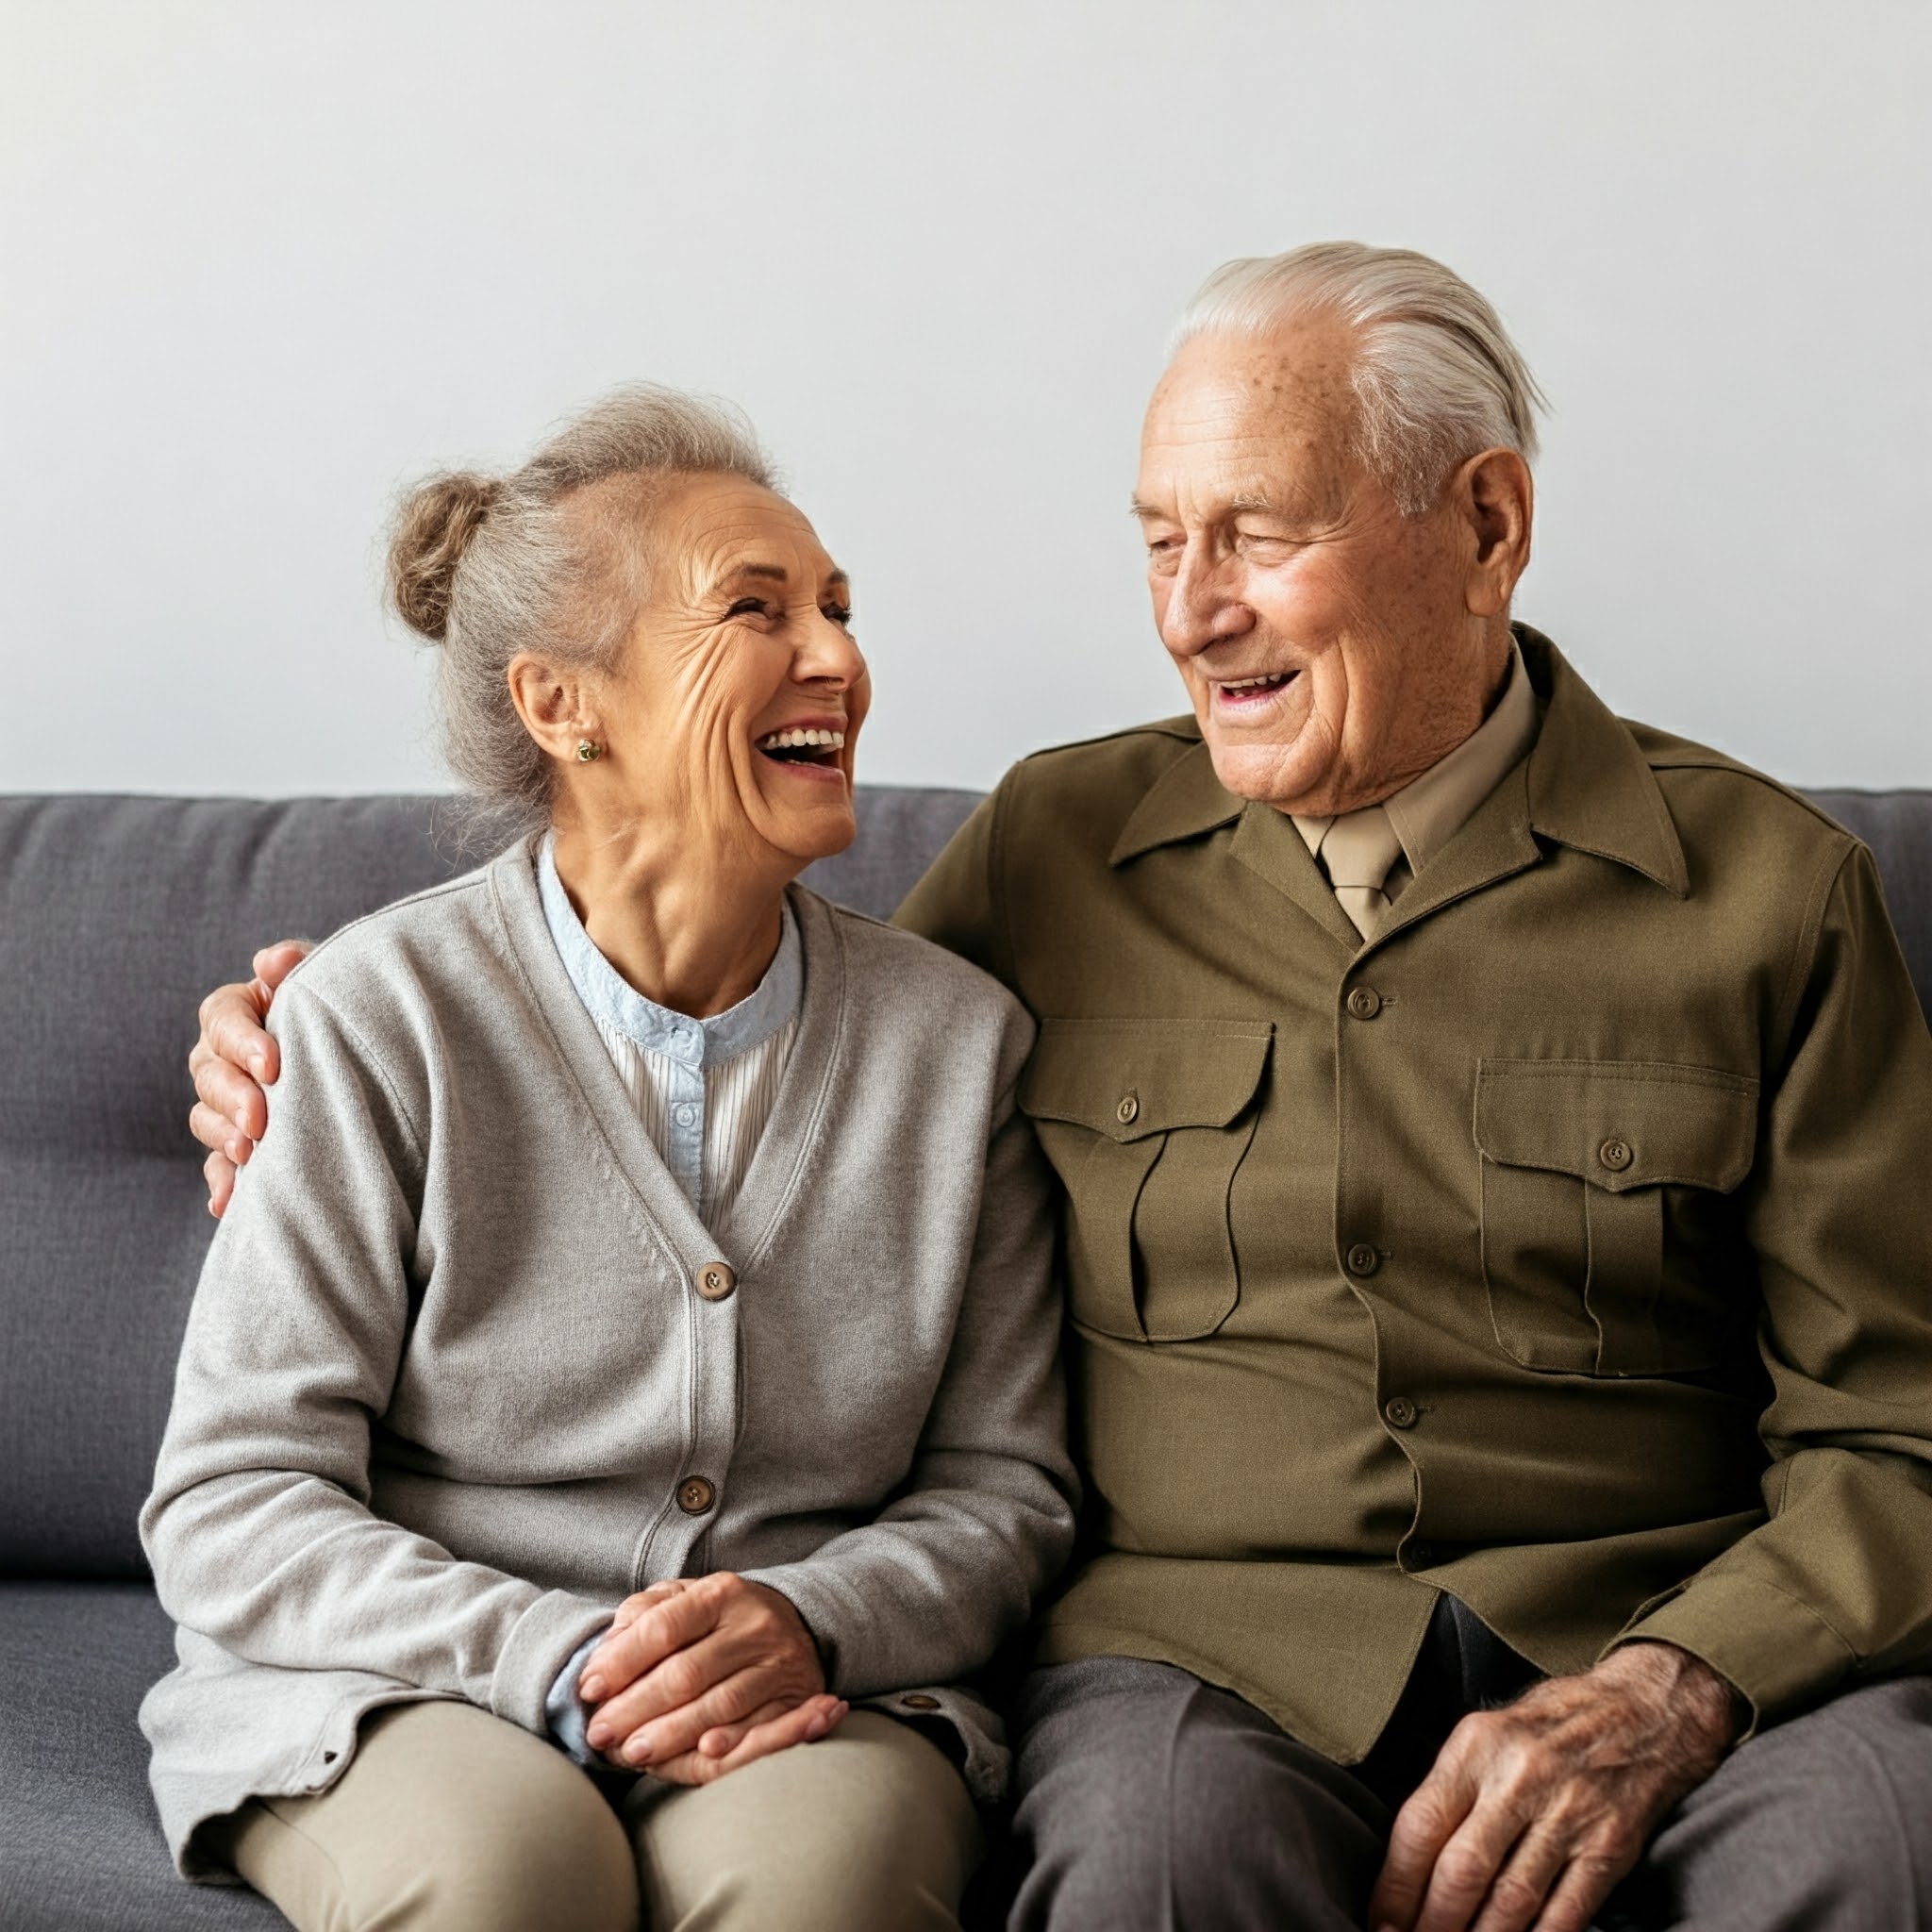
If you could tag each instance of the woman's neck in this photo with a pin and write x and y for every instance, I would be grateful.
(689, 933)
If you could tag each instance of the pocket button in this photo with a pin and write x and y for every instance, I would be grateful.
(1362, 1260)
(1614, 1154)
(1128, 1110)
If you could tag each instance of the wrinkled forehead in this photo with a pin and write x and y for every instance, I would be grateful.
(1238, 417)
(695, 530)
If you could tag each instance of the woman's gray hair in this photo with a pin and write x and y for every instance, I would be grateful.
(488, 567)
(1436, 376)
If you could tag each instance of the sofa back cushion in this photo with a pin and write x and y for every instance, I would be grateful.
(116, 916)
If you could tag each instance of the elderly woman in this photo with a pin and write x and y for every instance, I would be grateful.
(633, 1343)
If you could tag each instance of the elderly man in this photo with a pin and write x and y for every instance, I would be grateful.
(1495, 1141)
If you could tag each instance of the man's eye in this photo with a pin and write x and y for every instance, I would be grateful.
(839, 613)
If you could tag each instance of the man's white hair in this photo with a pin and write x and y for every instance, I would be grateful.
(1436, 376)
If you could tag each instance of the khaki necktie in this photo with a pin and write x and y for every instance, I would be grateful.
(1358, 849)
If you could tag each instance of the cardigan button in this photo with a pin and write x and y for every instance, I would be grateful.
(695, 1495)
(918, 1700)
(716, 1281)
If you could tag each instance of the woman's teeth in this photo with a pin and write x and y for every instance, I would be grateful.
(798, 740)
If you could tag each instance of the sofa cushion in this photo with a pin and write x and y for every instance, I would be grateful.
(79, 1847)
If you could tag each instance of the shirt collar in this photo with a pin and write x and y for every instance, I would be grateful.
(620, 1009)
(1429, 810)
(1591, 786)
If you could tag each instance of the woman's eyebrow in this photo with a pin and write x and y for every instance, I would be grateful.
(763, 573)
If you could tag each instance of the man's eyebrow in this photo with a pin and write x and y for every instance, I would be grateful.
(1144, 510)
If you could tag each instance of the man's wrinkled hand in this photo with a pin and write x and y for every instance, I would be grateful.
(1532, 1814)
(232, 1062)
(700, 1675)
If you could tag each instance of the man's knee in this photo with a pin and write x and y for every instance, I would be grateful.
(1819, 1821)
(1145, 1795)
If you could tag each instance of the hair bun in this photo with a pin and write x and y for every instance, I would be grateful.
(432, 531)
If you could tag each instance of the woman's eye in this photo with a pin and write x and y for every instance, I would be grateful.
(747, 607)
(839, 613)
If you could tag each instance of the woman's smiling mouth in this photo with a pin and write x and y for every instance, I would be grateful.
(804, 746)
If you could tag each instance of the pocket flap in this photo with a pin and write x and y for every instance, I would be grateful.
(1618, 1124)
(1128, 1078)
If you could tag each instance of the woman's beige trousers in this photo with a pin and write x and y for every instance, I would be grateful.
(450, 1818)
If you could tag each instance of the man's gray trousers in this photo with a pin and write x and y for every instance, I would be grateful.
(1147, 1801)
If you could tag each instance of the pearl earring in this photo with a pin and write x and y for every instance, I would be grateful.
(588, 753)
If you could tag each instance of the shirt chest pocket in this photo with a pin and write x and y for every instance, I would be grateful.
(1600, 1182)
(1146, 1123)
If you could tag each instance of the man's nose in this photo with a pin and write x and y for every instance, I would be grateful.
(1202, 605)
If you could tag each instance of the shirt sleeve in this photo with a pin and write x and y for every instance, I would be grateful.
(569, 1718)
(259, 1527)
(1837, 1584)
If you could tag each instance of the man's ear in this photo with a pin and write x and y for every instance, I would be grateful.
(553, 704)
(1494, 493)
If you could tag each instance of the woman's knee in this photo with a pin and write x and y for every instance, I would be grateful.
(447, 1819)
(871, 1828)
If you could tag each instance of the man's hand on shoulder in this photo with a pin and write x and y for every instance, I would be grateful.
(1534, 1812)
(232, 1062)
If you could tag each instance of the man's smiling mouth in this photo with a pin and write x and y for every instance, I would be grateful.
(1249, 690)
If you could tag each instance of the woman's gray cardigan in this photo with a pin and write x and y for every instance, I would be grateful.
(451, 1388)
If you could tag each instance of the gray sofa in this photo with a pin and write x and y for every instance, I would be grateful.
(116, 915)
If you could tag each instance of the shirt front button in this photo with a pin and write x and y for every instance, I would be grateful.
(1420, 1556)
(1401, 1411)
(685, 1114)
(1615, 1153)
(716, 1281)
(1364, 1003)
(695, 1495)
(1362, 1260)
(1128, 1110)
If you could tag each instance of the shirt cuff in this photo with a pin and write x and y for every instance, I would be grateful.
(568, 1715)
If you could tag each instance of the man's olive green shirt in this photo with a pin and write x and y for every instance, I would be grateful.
(1567, 1245)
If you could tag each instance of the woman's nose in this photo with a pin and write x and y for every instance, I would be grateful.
(829, 654)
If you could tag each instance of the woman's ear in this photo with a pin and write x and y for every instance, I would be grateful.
(553, 704)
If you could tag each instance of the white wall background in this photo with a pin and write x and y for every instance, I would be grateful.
(259, 264)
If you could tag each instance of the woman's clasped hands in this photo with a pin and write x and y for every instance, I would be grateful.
(701, 1675)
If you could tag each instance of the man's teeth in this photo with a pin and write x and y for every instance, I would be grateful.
(1273, 678)
(798, 740)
